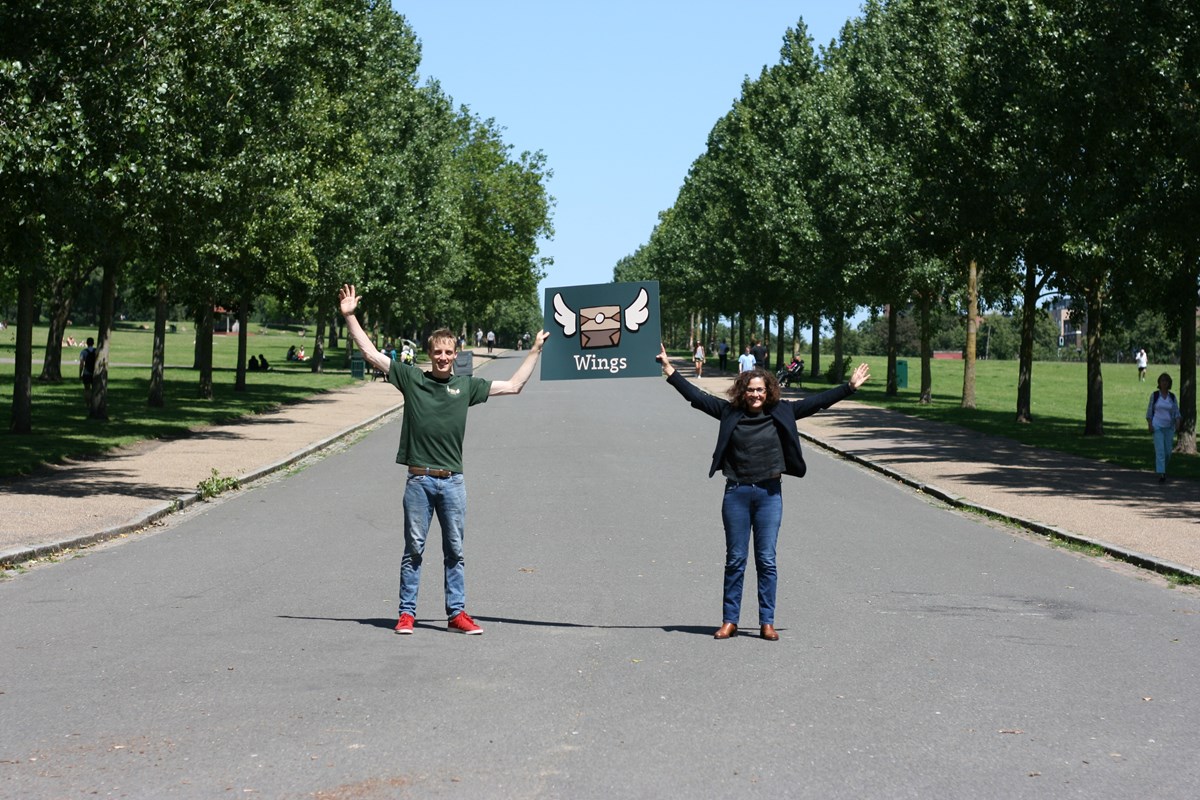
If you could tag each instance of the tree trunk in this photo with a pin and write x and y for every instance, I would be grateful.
(815, 369)
(968, 393)
(926, 351)
(201, 319)
(1094, 416)
(243, 318)
(779, 343)
(108, 299)
(837, 373)
(22, 400)
(60, 313)
(333, 332)
(158, 358)
(204, 351)
(795, 335)
(893, 387)
(1025, 357)
(1186, 442)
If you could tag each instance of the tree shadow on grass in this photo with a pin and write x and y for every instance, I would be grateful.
(997, 462)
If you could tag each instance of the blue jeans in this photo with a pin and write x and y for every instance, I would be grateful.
(1164, 441)
(751, 508)
(425, 495)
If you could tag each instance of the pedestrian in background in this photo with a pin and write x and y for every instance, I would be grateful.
(746, 361)
(761, 354)
(87, 369)
(1141, 361)
(1163, 419)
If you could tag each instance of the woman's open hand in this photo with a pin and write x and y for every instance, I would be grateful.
(862, 374)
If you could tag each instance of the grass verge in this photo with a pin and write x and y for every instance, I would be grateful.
(1059, 395)
(61, 429)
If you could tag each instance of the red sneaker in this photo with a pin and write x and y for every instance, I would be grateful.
(463, 623)
(405, 625)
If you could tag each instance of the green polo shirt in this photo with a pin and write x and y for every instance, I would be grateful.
(435, 415)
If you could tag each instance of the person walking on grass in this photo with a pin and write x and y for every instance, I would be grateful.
(431, 444)
(757, 443)
(1163, 419)
(87, 369)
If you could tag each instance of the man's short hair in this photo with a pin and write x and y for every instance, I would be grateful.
(437, 336)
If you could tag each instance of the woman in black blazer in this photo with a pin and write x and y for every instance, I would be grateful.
(757, 443)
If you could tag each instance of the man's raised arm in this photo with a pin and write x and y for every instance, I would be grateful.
(524, 372)
(347, 303)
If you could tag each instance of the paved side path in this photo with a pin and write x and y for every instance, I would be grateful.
(1123, 510)
(95, 499)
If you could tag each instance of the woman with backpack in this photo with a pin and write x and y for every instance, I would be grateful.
(1163, 420)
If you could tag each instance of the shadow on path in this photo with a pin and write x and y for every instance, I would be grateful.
(377, 622)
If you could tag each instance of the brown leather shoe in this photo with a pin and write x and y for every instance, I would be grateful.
(768, 632)
(725, 631)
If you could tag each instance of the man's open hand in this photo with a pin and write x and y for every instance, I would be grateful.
(347, 299)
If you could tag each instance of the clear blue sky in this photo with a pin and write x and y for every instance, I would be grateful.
(620, 96)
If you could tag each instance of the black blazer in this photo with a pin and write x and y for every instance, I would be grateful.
(785, 413)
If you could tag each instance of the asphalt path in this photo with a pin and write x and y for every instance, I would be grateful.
(246, 648)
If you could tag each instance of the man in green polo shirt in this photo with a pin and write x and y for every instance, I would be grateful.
(431, 441)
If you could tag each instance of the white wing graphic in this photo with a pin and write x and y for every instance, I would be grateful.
(564, 316)
(637, 313)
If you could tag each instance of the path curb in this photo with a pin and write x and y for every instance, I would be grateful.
(1158, 565)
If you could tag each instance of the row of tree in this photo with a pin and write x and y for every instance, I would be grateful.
(207, 154)
(956, 153)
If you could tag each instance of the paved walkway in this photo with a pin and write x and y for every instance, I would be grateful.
(1125, 511)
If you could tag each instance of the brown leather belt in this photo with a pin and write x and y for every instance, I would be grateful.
(433, 473)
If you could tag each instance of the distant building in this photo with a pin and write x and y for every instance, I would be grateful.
(1071, 332)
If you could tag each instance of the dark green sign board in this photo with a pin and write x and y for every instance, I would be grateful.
(609, 330)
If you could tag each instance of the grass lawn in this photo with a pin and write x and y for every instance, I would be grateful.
(1058, 398)
(61, 428)
(1059, 395)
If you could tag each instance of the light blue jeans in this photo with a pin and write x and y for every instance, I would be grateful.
(751, 508)
(1164, 442)
(424, 496)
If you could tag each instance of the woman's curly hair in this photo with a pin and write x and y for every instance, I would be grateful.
(737, 391)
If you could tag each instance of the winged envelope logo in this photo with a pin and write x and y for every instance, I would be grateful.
(600, 326)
